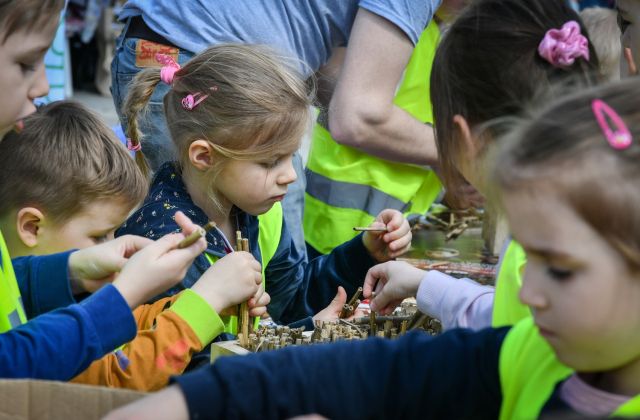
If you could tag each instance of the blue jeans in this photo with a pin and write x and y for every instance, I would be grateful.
(157, 145)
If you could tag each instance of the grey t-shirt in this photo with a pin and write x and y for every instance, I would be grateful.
(305, 29)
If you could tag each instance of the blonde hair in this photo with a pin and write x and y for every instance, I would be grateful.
(562, 149)
(257, 106)
(64, 159)
(604, 32)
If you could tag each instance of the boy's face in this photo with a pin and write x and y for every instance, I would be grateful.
(583, 296)
(96, 223)
(23, 76)
(629, 21)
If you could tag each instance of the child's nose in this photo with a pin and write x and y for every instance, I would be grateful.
(532, 295)
(40, 85)
(288, 174)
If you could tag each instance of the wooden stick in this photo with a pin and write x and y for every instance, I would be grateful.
(200, 232)
(370, 229)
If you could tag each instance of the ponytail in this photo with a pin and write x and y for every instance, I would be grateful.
(140, 91)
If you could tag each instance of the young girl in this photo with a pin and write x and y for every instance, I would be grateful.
(236, 114)
(494, 57)
(578, 356)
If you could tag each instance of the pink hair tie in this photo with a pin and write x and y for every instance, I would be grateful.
(619, 139)
(133, 148)
(169, 67)
(561, 47)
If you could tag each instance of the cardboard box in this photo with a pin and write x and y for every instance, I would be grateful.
(47, 400)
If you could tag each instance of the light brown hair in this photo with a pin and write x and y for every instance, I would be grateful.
(257, 107)
(66, 158)
(562, 150)
(27, 15)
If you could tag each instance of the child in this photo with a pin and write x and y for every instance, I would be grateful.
(77, 197)
(604, 32)
(63, 343)
(236, 114)
(494, 57)
(579, 355)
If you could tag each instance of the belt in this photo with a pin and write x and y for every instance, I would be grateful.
(139, 29)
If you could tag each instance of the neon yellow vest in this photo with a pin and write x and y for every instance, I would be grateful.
(530, 371)
(347, 187)
(507, 308)
(269, 233)
(11, 309)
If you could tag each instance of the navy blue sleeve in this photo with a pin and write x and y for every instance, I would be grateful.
(43, 282)
(299, 289)
(63, 343)
(454, 375)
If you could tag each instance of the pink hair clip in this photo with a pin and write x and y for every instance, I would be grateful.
(169, 67)
(619, 139)
(561, 47)
(133, 148)
(192, 100)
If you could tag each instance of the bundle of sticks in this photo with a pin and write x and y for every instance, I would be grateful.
(244, 321)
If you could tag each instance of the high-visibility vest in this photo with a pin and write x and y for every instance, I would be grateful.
(507, 308)
(269, 234)
(347, 187)
(530, 371)
(11, 309)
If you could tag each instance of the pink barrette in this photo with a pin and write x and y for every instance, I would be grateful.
(619, 139)
(169, 67)
(561, 47)
(133, 148)
(192, 100)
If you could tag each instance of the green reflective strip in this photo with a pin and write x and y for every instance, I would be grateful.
(349, 195)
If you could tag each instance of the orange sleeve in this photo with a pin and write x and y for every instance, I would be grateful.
(154, 355)
(145, 315)
(164, 345)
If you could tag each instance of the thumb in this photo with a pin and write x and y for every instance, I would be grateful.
(380, 301)
(338, 302)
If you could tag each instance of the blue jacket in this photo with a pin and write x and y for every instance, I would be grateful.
(298, 289)
(60, 344)
(453, 376)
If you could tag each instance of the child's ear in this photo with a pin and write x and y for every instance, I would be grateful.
(28, 225)
(463, 132)
(201, 154)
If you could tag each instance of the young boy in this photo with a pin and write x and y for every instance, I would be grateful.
(76, 197)
(62, 344)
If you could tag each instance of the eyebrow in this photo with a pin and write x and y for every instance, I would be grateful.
(550, 254)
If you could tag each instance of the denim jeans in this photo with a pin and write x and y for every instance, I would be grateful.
(157, 145)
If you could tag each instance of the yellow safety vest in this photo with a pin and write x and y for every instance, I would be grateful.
(269, 234)
(347, 187)
(530, 371)
(11, 310)
(507, 308)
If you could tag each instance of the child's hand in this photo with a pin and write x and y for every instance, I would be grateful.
(258, 303)
(332, 312)
(156, 268)
(384, 246)
(159, 265)
(393, 282)
(231, 280)
(92, 267)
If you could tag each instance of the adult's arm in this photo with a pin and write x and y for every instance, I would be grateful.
(361, 112)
